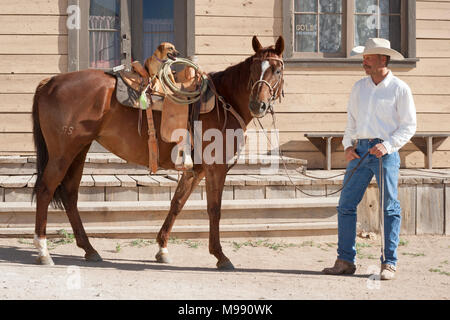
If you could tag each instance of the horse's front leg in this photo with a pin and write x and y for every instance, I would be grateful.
(215, 180)
(71, 185)
(186, 185)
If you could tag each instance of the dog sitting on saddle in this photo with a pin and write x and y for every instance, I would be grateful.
(165, 51)
(131, 85)
(172, 116)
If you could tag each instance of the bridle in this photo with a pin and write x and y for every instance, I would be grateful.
(276, 90)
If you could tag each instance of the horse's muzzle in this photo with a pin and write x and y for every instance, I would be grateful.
(258, 109)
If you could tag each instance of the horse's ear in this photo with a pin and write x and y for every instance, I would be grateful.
(279, 46)
(256, 44)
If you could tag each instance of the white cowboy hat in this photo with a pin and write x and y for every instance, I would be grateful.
(376, 46)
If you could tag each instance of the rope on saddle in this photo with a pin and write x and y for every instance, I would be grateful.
(172, 91)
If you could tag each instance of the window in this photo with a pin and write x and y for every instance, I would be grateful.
(114, 32)
(158, 25)
(318, 27)
(104, 34)
(153, 22)
(378, 19)
(323, 32)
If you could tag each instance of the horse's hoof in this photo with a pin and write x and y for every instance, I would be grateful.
(93, 257)
(225, 265)
(45, 261)
(162, 258)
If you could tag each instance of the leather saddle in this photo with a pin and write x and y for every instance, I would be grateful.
(131, 85)
(138, 78)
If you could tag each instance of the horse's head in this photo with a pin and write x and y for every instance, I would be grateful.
(266, 76)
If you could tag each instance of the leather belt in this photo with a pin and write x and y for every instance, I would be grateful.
(152, 142)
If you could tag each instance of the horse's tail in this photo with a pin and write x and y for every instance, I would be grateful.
(41, 149)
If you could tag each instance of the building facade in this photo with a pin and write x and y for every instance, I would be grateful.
(40, 38)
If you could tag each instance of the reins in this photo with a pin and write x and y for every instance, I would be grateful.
(276, 91)
(381, 184)
(280, 153)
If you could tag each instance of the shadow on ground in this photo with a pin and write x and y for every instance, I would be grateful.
(23, 256)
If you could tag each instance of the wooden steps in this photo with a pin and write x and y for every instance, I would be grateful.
(104, 164)
(144, 219)
(269, 202)
(189, 232)
(121, 199)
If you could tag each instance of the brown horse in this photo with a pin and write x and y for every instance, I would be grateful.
(72, 110)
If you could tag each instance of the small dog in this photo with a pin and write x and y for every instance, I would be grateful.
(165, 51)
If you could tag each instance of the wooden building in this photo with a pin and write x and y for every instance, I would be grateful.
(39, 38)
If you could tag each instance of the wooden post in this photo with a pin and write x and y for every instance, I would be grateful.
(429, 156)
(326, 143)
(447, 208)
(428, 143)
(328, 153)
(125, 35)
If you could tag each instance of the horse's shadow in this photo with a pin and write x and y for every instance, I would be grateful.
(25, 256)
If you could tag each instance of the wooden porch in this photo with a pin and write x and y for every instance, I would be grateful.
(118, 199)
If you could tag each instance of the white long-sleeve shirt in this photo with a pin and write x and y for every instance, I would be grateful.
(384, 111)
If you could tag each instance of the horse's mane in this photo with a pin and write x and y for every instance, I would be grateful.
(239, 72)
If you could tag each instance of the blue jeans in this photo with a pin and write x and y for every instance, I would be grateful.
(353, 193)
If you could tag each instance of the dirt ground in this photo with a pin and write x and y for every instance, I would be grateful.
(266, 268)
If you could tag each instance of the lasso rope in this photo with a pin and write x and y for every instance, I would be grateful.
(175, 93)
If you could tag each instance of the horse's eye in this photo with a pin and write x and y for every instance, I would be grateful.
(277, 72)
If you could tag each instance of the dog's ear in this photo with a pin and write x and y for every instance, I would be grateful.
(256, 44)
(160, 51)
(279, 46)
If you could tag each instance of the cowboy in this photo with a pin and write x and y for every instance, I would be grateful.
(381, 118)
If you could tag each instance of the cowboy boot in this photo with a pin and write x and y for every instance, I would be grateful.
(387, 272)
(340, 267)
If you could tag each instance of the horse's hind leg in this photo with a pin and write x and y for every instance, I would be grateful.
(71, 185)
(52, 176)
(187, 184)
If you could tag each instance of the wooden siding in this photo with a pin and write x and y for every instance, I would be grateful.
(316, 97)
(34, 46)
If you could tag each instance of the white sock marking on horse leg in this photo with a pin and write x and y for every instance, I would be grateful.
(163, 250)
(41, 245)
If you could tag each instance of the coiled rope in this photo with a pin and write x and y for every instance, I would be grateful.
(172, 91)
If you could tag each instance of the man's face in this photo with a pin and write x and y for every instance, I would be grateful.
(372, 63)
